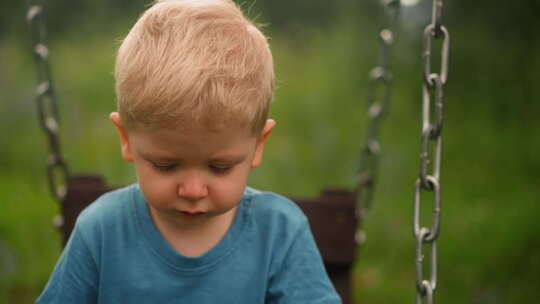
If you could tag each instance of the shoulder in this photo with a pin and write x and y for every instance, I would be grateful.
(295, 264)
(108, 209)
(274, 204)
(275, 211)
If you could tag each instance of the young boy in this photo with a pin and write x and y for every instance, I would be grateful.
(194, 80)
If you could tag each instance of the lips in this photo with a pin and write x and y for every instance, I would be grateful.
(192, 213)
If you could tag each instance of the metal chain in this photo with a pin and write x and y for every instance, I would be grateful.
(57, 170)
(432, 92)
(380, 78)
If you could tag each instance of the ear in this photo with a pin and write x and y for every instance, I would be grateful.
(256, 162)
(124, 139)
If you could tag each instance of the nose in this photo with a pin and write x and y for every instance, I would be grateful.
(192, 187)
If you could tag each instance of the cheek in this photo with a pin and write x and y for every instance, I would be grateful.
(154, 187)
(230, 190)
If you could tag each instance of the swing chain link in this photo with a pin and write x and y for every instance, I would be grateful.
(57, 169)
(432, 91)
(380, 79)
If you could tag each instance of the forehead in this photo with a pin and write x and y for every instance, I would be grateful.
(211, 121)
(193, 142)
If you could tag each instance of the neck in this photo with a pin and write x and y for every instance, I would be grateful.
(196, 238)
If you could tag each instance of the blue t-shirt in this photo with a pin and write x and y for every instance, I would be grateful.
(116, 255)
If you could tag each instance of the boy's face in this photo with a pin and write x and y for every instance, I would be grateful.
(192, 177)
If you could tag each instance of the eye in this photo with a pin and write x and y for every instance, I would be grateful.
(220, 169)
(164, 167)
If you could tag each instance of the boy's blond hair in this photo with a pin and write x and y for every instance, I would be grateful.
(189, 62)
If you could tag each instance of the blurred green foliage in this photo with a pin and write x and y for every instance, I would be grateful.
(489, 248)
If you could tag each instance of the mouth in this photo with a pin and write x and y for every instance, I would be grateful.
(192, 213)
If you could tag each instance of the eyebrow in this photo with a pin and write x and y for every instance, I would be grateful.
(234, 159)
(158, 158)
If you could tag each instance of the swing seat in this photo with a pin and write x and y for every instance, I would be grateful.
(331, 216)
